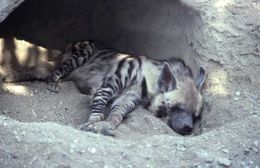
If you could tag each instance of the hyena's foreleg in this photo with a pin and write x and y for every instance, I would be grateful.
(106, 92)
(121, 106)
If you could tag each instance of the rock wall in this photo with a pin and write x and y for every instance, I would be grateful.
(7, 6)
(229, 36)
(150, 28)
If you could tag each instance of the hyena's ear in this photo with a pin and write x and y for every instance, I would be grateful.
(201, 78)
(166, 80)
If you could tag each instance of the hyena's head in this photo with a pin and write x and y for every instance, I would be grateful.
(179, 100)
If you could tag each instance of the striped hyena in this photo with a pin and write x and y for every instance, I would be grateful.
(166, 88)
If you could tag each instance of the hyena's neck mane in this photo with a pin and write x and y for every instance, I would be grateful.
(151, 70)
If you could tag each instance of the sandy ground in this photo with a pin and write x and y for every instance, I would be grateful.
(44, 135)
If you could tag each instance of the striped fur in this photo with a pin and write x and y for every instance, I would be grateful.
(127, 81)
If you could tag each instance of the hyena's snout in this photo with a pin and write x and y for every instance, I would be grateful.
(181, 122)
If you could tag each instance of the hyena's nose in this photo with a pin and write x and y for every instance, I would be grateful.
(187, 128)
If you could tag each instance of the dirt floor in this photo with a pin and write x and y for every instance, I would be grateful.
(43, 133)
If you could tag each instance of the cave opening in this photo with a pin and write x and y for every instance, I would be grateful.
(152, 28)
(156, 29)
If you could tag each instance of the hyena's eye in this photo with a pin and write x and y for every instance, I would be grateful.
(162, 112)
(177, 109)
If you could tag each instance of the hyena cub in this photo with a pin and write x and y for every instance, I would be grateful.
(166, 88)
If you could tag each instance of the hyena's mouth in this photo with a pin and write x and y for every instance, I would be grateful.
(184, 123)
(182, 130)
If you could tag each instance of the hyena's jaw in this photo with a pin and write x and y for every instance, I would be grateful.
(181, 122)
(187, 131)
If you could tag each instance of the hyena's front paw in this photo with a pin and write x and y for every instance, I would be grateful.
(53, 86)
(103, 127)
